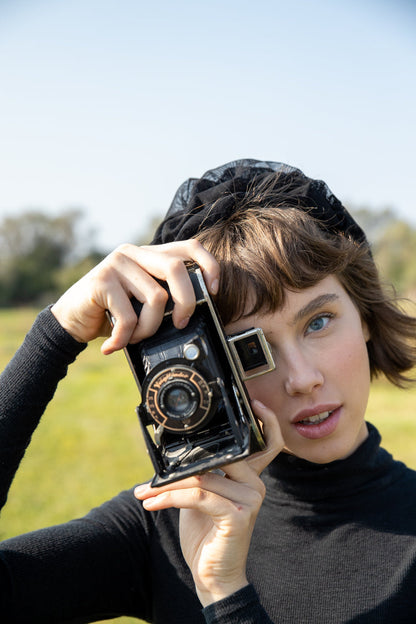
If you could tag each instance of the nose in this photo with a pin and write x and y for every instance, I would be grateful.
(302, 374)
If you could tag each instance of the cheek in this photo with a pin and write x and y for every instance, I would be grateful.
(349, 360)
(263, 388)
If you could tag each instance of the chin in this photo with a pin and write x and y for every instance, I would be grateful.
(327, 452)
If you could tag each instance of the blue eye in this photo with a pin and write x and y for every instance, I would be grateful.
(318, 323)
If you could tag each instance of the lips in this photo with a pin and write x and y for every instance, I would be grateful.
(317, 422)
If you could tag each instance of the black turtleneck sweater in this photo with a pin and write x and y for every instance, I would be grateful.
(332, 544)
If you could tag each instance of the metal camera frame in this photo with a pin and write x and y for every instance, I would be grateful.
(251, 433)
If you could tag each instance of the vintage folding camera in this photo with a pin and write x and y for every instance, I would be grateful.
(195, 412)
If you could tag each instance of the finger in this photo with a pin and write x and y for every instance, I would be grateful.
(170, 268)
(124, 319)
(119, 279)
(244, 472)
(152, 295)
(204, 501)
(272, 434)
(192, 249)
(208, 264)
(166, 262)
(248, 488)
(182, 292)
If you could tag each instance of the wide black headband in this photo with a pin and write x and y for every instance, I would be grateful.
(201, 202)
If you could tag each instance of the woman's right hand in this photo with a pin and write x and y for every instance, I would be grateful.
(218, 514)
(127, 272)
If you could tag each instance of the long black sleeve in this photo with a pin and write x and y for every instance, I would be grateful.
(243, 607)
(117, 560)
(27, 384)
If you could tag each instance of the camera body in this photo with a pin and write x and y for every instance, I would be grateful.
(195, 412)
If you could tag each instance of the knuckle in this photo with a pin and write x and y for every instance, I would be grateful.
(158, 296)
(257, 495)
(195, 245)
(130, 319)
(117, 257)
(258, 499)
(103, 275)
(175, 266)
(126, 324)
(121, 254)
(242, 516)
(262, 490)
(198, 494)
(123, 249)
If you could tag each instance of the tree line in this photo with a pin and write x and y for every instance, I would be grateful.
(42, 255)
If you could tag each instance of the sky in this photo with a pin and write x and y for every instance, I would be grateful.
(109, 105)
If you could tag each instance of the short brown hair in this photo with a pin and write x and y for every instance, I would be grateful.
(268, 250)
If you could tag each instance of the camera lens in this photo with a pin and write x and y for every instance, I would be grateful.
(178, 400)
(177, 397)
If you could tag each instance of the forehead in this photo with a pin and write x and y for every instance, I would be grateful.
(297, 304)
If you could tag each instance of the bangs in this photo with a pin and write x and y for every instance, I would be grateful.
(264, 253)
(266, 249)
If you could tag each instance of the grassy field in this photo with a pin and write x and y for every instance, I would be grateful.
(88, 446)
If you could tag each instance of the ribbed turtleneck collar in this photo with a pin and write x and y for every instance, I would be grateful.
(368, 467)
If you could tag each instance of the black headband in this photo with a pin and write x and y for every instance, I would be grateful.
(200, 203)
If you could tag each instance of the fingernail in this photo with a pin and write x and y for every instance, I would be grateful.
(149, 503)
(258, 403)
(106, 348)
(214, 287)
(184, 322)
(140, 489)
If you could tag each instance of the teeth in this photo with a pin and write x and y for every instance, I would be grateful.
(317, 418)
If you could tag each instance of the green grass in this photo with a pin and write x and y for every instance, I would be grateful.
(88, 446)
(393, 411)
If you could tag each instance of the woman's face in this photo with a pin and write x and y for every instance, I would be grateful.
(319, 390)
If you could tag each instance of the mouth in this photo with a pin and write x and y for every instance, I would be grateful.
(316, 419)
(317, 423)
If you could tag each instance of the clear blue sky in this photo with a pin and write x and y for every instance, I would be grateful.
(109, 105)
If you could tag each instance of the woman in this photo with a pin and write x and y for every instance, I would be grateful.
(318, 527)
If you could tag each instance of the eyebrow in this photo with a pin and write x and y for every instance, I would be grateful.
(314, 305)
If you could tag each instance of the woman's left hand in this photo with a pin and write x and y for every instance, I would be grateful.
(218, 515)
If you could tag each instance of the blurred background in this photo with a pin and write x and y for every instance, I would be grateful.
(107, 106)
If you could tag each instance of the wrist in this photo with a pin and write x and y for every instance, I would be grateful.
(59, 315)
(218, 591)
(242, 606)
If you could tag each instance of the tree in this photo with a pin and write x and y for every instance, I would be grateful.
(395, 255)
(34, 247)
(374, 223)
(393, 244)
